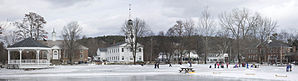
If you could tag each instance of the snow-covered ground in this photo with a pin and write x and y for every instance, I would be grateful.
(164, 73)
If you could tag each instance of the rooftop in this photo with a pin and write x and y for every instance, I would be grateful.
(28, 42)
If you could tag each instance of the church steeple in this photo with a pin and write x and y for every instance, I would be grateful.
(53, 35)
(130, 34)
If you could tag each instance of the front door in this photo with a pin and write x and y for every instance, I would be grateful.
(55, 54)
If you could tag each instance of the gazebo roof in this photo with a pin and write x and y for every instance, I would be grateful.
(28, 42)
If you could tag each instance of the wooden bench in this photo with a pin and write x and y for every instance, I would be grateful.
(186, 70)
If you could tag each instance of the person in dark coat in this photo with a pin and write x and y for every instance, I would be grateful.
(190, 65)
(180, 63)
(288, 67)
(158, 65)
(155, 65)
(227, 64)
(215, 65)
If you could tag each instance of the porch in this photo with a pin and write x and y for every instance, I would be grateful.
(28, 63)
(28, 54)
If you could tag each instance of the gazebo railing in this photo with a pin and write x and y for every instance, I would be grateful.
(29, 61)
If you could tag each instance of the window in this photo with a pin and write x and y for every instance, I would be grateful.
(122, 50)
(140, 49)
(44, 54)
(81, 51)
(64, 54)
(140, 58)
(131, 58)
(122, 56)
(81, 55)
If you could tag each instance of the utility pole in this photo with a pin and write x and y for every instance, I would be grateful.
(151, 49)
(281, 55)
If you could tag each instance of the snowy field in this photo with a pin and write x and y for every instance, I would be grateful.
(148, 73)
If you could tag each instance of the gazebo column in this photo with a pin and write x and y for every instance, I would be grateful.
(8, 56)
(48, 56)
(37, 56)
(20, 50)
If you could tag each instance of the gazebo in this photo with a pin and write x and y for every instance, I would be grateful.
(28, 53)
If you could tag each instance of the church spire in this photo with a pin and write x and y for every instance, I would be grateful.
(129, 11)
(129, 34)
(53, 35)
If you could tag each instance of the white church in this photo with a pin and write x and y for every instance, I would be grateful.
(121, 52)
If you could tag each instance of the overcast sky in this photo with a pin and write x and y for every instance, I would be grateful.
(105, 17)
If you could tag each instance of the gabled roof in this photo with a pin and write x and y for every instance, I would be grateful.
(273, 43)
(28, 42)
(58, 43)
(51, 43)
(123, 43)
(103, 49)
(117, 44)
(277, 43)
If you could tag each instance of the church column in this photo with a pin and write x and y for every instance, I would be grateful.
(48, 56)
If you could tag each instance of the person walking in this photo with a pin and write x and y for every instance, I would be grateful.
(222, 65)
(247, 66)
(158, 65)
(170, 65)
(288, 67)
(227, 64)
(155, 65)
(215, 65)
(189, 64)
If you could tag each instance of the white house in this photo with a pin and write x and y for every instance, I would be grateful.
(186, 55)
(120, 53)
(101, 52)
(216, 57)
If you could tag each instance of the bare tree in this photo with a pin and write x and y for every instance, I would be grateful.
(224, 42)
(240, 23)
(177, 32)
(71, 33)
(264, 28)
(189, 32)
(207, 28)
(133, 29)
(182, 30)
(22, 31)
(31, 26)
(8, 35)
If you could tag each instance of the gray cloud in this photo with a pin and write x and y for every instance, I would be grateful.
(64, 3)
(105, 17)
